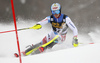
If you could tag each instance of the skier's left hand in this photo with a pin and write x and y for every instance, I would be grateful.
(36, 26)
(75, 42)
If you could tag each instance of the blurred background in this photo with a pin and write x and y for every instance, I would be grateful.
(84, 13)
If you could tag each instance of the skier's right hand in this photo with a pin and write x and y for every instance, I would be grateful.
(36, 26)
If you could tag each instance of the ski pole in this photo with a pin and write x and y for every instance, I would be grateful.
(85, 43)
(14, 30)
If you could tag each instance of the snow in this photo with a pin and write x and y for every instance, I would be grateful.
(61, 53)
(23, 1)
(85, 54)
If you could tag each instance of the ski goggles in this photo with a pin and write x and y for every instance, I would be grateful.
(56, 12)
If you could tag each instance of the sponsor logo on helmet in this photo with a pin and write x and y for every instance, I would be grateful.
(55, 7)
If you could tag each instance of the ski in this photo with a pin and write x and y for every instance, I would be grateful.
(44, 45)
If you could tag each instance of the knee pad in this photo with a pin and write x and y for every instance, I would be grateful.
(44, 40)
(63, 37)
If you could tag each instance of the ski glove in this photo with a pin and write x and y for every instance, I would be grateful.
(75, 42)
(36, 26)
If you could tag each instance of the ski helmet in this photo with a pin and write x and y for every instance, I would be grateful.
(56, 8)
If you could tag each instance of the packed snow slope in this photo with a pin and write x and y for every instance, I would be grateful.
(60, 53)
(84, 54)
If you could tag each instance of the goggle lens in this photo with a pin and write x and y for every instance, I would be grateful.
(56, 12)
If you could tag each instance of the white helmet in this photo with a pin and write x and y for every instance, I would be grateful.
(56, 8)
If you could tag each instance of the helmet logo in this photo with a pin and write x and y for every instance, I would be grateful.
(55, 7)
(54, 4)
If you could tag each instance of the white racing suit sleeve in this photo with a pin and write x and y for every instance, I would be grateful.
(71, 26)
(44, 21)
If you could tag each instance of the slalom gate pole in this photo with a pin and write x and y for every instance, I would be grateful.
(7, 31)
(14, 30)
(14, 18)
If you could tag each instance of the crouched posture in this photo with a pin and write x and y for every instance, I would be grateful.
(60, 23)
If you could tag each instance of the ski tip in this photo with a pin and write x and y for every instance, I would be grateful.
(16, 55)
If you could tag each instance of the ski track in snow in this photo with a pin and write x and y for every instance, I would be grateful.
(8, 44)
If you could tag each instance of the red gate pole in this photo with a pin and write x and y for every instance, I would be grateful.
(14, 18)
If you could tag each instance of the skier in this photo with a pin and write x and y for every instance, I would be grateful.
(60, 23)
